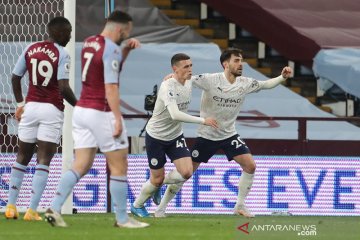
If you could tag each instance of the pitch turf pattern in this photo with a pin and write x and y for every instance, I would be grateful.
(216, 227)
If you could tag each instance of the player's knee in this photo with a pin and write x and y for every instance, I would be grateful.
(157, 181)
(23, 159)
(187, 174)
(251, 168)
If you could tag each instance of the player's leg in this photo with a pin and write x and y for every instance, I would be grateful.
(170, 193)
(116, 150)
(156, 160)
(45, 153)
(117, 161)
(148, 189)
(84, 158)
(247, 163)
(85, 149)
(118, 165)
(235, 148)
(27, 131)
(179, 154)
(48, 137)
(25, 153)
(202, 151)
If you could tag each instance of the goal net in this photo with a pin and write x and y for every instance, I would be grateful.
(21, 22)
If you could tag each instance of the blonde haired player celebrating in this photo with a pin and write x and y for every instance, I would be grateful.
(164, 134)
(97, 120)
(223, 95)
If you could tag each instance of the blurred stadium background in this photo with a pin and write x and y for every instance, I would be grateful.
(304, 134)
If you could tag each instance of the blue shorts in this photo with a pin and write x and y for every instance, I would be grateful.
(203, 149)
(156, 150)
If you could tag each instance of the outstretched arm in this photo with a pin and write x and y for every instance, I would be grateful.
(178, 115)
(273, 82)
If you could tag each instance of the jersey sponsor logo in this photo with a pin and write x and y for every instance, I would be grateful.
(44, 50)
(226, 100)
(154, 161)
(195, 153)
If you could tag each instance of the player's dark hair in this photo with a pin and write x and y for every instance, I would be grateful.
(179, 57)
(57, 22)
(119, 17)
(226, 54)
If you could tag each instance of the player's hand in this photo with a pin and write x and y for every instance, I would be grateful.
(18, 113)
(211, 122)
(132, 43)
(170, 75)
(286, 72)
(118, 128)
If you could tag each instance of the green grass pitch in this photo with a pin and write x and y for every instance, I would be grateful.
(174, 227)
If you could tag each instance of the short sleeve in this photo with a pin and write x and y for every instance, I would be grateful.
(202, 81)
(20, 66)
(252, 85)
(168, 92)
(111, 60)
(63, 65)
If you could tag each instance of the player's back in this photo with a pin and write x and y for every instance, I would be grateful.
(42, 61)
(94, 60)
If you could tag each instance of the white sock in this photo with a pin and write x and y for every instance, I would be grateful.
(170, 193)
(173, 177)
(146, 192)
(245, 183)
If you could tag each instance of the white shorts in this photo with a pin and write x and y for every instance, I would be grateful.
(41, 121)
(94, 128)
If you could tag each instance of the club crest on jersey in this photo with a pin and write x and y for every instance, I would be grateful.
(195, 153)
(241, 90)
(115, 65)
(154, 161)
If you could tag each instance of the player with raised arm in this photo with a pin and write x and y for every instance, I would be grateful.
(223, 95)
(41, 118)
(97, 120)
(164, 134)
